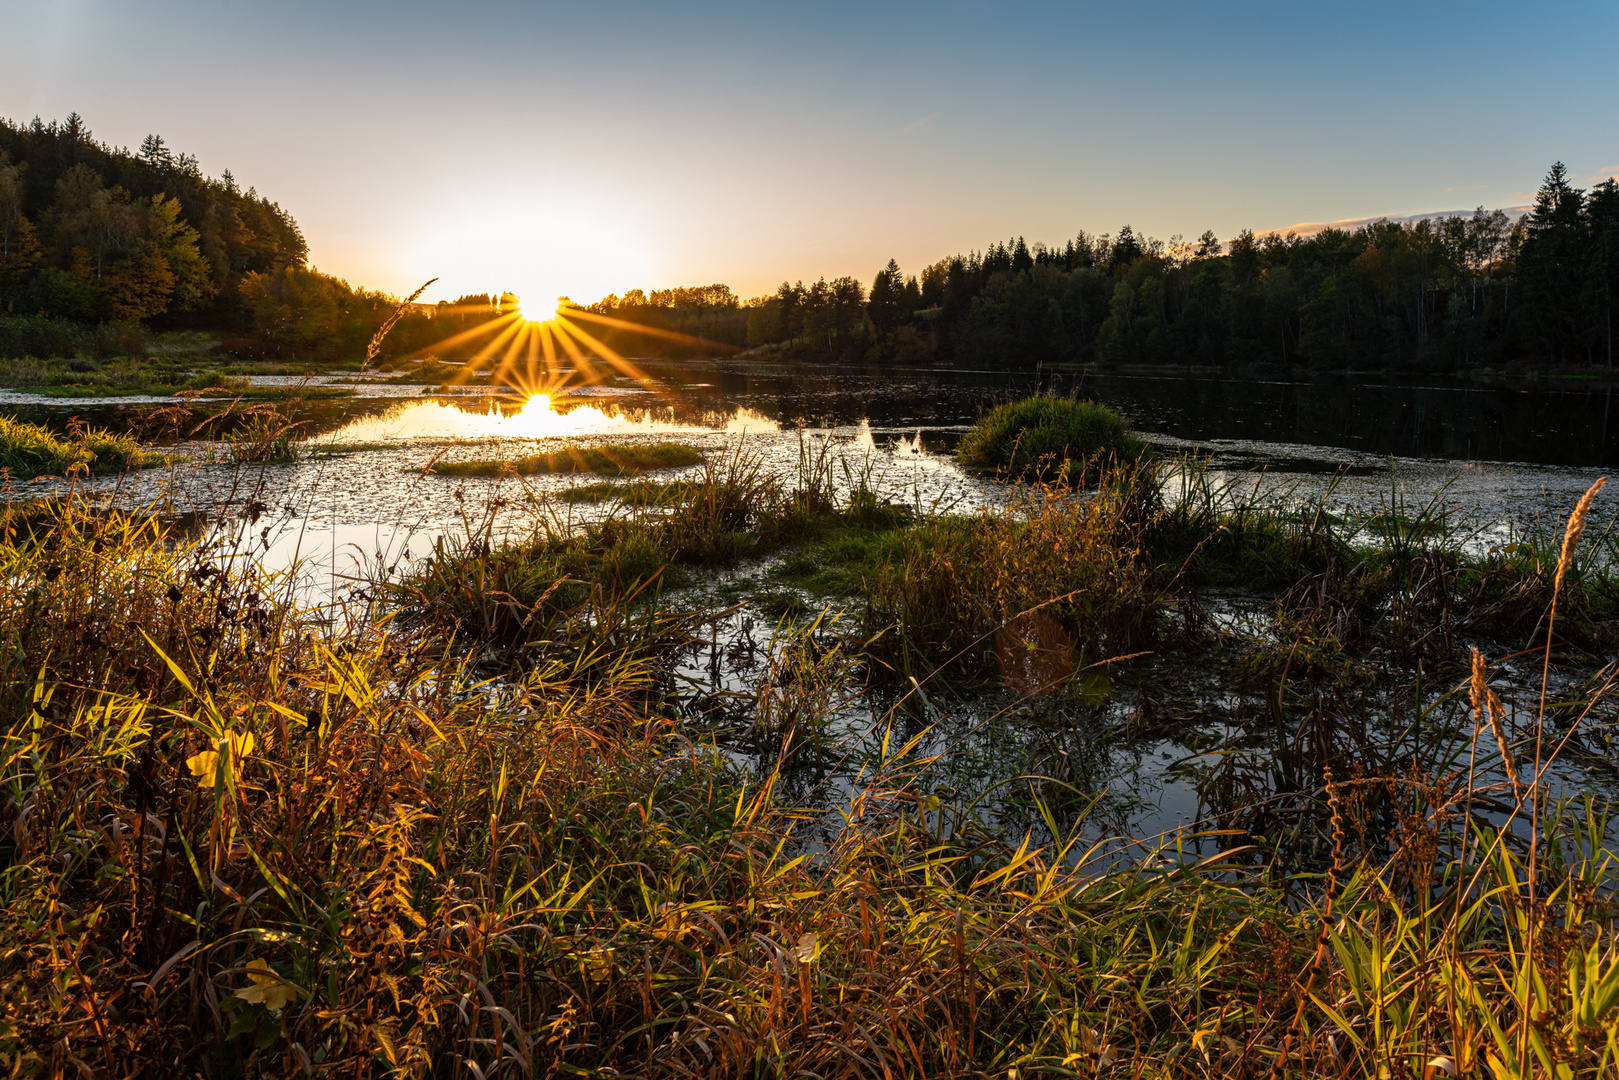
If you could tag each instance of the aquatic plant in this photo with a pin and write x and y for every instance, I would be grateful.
(1043, 435)
(30, 450)
(264, 436)
(604, 460)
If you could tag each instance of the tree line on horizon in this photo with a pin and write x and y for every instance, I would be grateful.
(92, 235)
(1435, 294)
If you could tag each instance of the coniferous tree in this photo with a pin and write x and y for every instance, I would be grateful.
(1553, 267)
(1602, 215)
(887, 298)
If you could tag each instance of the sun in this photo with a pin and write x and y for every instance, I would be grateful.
(539, 310)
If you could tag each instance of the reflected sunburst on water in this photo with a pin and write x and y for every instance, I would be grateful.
(540, 417)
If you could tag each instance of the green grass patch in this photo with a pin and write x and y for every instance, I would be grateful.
(842, 562)
(1044, 435)
(345, 448)
(600, 492)
(30, 450)
(601, 460)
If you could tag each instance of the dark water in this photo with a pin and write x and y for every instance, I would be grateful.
(1543, 424)
(1563, 424)
(1557, 425)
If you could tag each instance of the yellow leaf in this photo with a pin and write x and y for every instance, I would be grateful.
(598, 963)
(267, 990)
(673, 924)
(205, 765)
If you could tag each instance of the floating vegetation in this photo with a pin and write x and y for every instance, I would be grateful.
(602, 460)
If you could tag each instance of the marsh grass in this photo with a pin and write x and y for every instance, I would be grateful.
(602, 460)
(29, 450)
(243, 837)
(1038, 437)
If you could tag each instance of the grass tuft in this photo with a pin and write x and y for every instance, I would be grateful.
(30, 450)
(1040, 436)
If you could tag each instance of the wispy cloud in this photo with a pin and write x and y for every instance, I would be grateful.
(1311, 228)
(921, 126)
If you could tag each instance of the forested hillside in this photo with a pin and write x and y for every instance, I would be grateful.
(100, 244)
(90, 233)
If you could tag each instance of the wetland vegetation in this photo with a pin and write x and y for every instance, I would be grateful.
(622, 460)
(520, 808)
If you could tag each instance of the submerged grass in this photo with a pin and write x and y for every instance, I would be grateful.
(603, 460)
(245, 837)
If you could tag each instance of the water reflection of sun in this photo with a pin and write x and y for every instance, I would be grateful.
(538, 418)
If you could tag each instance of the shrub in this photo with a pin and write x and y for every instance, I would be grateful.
(57, 338)
(1041, 435)
(30, 336)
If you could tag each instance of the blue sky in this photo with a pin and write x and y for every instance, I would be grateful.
(589, 148)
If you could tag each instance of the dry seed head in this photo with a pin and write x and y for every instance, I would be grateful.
(1576, 525)
(1496, 712)
(1479, 689)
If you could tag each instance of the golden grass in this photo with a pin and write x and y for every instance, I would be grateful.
(238, 841)
(602, 460)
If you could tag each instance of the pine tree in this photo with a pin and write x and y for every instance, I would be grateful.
(1554, 268)
(887, 298)
(1602, 216)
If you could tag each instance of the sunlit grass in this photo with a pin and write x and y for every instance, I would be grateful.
(479, 824)
(1039, 435)
(602, 460)
(29, 450)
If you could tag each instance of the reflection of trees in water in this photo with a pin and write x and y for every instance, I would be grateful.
(1551, 426)
(1556, 426)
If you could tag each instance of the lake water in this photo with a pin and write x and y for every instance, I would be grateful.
(1502, 455)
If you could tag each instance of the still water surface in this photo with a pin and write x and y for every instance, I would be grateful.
(1500, 455)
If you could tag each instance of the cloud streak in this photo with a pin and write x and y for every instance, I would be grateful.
(923, 125)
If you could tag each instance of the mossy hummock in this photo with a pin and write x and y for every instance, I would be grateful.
(1039, 436)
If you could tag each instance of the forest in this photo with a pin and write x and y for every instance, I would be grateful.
(100, 246)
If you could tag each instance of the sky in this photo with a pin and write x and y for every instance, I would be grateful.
(590, 148)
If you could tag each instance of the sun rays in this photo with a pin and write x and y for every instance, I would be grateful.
(541, 348)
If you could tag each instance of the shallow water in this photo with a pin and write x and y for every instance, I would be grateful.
(1499, 455)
